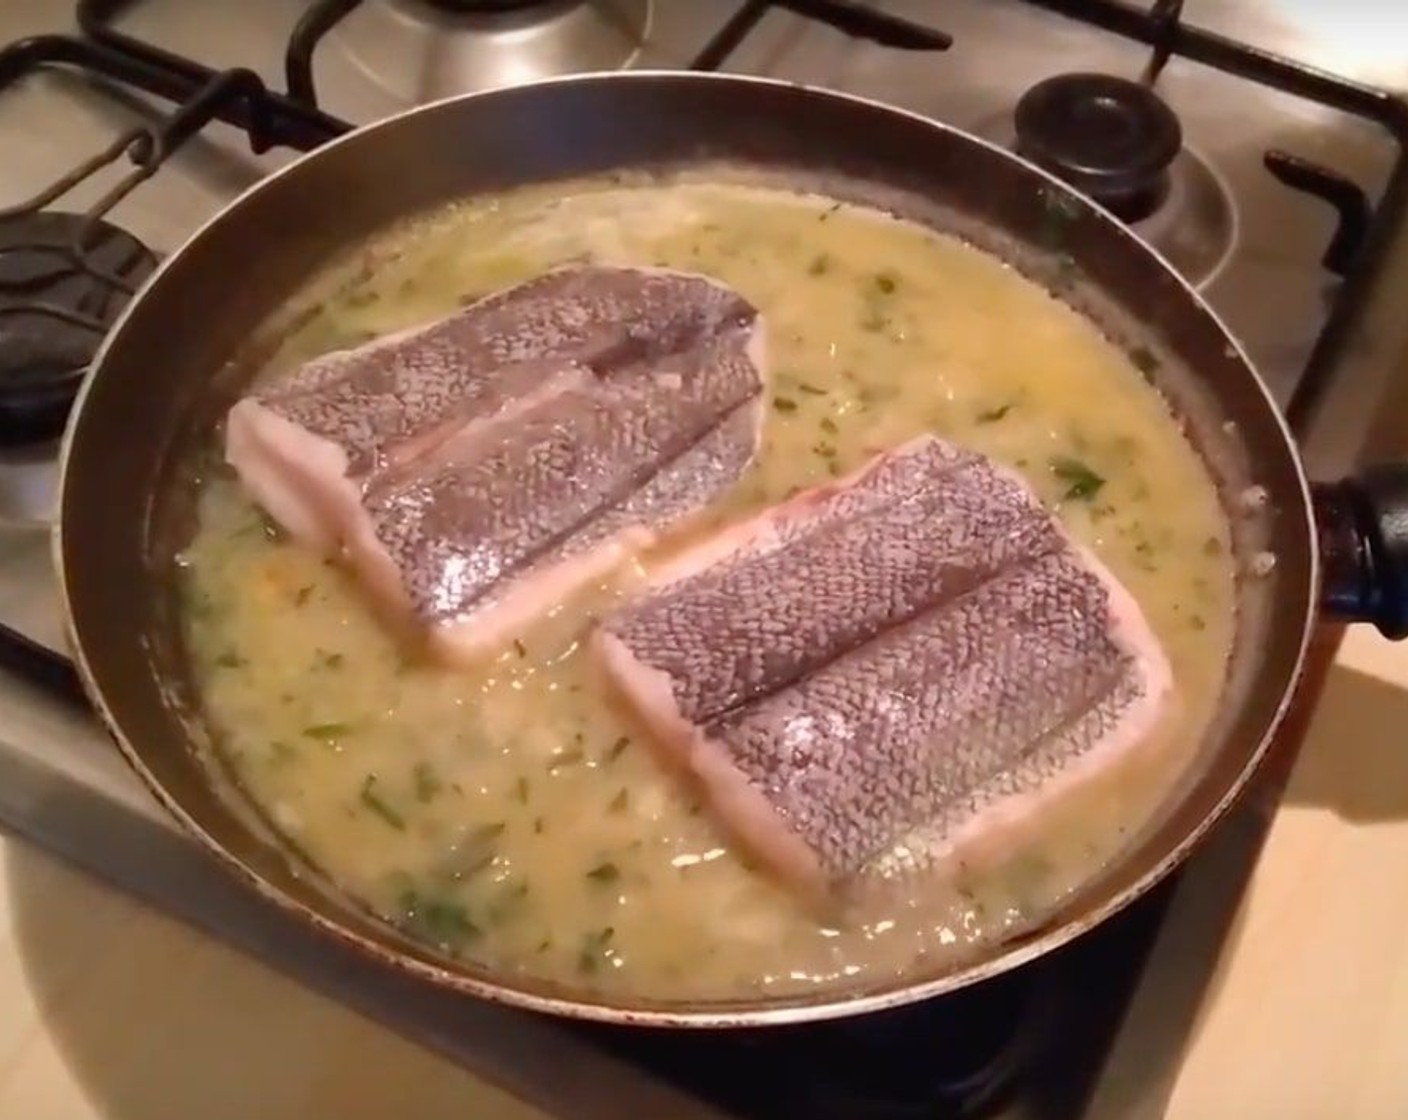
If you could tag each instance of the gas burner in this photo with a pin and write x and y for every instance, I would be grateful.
(480, 7)
(1111, 138)
(422, 50)
(1195, 228)
(1189, 216)
(62, 283)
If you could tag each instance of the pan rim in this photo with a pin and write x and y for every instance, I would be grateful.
(739, 1013)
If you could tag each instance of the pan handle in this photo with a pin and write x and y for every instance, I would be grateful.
(1363, 528)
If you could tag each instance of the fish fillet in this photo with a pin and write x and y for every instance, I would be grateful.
(887, 662)
(476, 470)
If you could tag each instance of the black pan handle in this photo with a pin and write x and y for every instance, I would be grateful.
(1363, 526)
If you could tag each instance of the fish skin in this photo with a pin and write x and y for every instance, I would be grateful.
(473, 515)
(375, 398)
(593, 408)
(889, 659)
(875, 552)
(888, 738)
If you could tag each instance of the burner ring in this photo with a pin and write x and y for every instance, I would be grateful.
(422, 50)
(482, 7)
(1108, 137)
(43, 356)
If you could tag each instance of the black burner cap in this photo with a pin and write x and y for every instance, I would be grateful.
(1108, 137)
(56, 303)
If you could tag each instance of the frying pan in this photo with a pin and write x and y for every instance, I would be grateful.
(186, 344)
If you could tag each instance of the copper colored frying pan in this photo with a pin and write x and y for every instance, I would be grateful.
(169, 370)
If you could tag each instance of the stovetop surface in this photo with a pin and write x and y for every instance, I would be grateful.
(1031, 1044)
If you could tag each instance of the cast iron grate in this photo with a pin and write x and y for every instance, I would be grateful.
(1354, 254)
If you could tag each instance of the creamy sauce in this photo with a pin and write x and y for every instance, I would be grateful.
(514, 815)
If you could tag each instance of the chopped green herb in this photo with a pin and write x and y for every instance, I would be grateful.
(606, 872)
(373, 801)
(539, 825)
(230, 660)
(814, 390)
(281, 751)
(1212, 547)
(520, 791)
(564, 758)
(1197, 622)
(874, 320)
(1081, 482)
(327, 732)
(444, 922)
(993, 415)
(473, 861)
(1143, 359)
(544, 945)
(329, 660)
(824, 450)
(828, 425)
(302, 594)
(472, 854)
(875, 394)
(519, 648)
(509, 900)
(596, 949)
(619, 802)
(886, 283)
(829, 211)
(614, 752)
(784, 404)
(821, 263)
(1127, 447)
(426, 782)
(486, 832)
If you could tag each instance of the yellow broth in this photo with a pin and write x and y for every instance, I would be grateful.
(514, 815)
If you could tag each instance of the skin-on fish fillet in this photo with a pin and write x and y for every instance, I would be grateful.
(477, 470)
(887, 663)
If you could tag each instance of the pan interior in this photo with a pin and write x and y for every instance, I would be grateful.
(1050, 238)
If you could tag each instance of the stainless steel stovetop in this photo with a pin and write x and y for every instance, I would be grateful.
(1253, 244)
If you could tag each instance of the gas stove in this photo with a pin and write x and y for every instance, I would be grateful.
(1276, 188)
